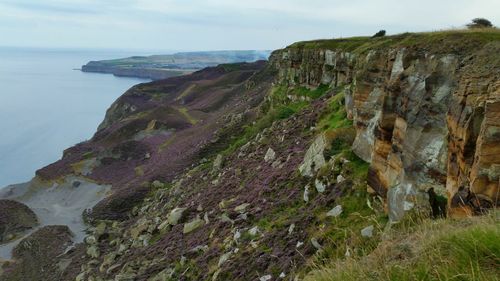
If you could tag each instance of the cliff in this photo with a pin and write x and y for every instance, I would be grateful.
(267, 170)
(425, 110)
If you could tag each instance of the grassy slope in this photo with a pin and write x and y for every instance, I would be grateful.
(449, 41)
(427, 250)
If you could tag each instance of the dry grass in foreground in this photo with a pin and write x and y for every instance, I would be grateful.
(467, 249)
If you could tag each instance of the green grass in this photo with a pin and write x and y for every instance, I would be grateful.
(335, 116)
(185, 113)
(311, 93)
(278, 107)
(466, 249)
(437, 41)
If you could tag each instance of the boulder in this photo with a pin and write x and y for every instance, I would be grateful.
(270, 155)
(335, 212)
(175, 216)
(314, 159)
(193, 225)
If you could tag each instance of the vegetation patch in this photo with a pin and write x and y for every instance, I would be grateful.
(467, 249)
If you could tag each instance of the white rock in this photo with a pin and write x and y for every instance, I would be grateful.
(237, 235)
(335, 212)
(282, 275)
(241, 208)
(407, 205)
(291, 228)
(367, 231)
(265, 278)
(299, 244)
(175, 215)
(315, 243)
(306, 193)
(347, 252)
(270, 155)
(224, 258)
(253, 231)
(340, 179)
(320, 187)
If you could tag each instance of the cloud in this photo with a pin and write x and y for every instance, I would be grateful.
(222, 24)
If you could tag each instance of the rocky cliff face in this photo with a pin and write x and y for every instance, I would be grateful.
(425, 117)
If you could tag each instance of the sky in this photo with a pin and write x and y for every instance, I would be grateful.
(189, 25)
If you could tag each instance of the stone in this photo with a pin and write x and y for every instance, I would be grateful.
(224, 218)
(224, 258)
(335, 212)
(340, 179)
(100, 229)
(217, 163)
(80, 277)
(122, 248)
(175, 216)
(291, 228)
(193, 225)
(265, 278)
(306, 194)
(91, 240)
(270, 155)
(316, 244)
(163, 226)
(237, 235)
(165, 274)
(320, 187)
(93, 251)
(314, 159)
(157, 184)
(141, 226)
(253, 231)
(241, 208)
(367, 231)
(109, 259)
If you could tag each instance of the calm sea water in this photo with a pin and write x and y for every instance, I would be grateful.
(46, 106)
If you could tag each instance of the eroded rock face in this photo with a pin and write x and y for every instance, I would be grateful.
(474, 140)
(314, 159)
(15, 219)
(423, 119)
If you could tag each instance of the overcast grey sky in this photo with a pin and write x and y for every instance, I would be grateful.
(222, 24)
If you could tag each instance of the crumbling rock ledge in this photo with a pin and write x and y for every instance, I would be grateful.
(425, 116)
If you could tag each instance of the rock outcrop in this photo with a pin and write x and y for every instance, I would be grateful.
(426, 116)
(15, 219)
(37, 257)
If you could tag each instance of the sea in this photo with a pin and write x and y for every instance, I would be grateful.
(47, 104)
